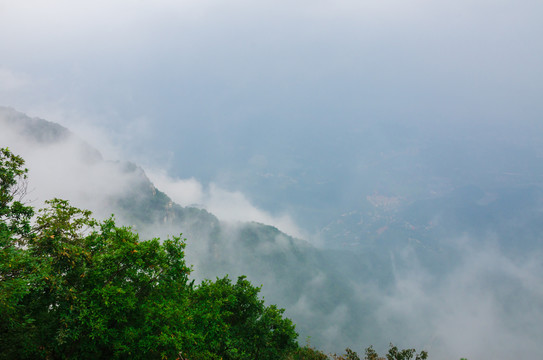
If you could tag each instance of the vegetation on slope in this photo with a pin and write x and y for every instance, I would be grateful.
(75, 287)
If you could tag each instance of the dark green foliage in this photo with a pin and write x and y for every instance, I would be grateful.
(93, 290)
(14, 215)
(238, 325)
(15, 262)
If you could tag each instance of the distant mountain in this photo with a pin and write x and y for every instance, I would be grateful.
(417, 263)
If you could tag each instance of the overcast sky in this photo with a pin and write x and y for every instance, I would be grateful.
(207, 89)
(271, 110)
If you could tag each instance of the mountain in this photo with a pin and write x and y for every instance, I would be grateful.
(449, 262)
(294, 274)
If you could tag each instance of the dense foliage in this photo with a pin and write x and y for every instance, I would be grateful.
(74, 287)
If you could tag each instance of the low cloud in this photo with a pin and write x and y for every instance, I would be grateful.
(487, 307)
(69, 168)
(185, 192)
(230, 206)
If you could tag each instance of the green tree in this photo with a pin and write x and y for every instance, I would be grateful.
(395, 354)
(371, 354)
(14, 215)
(99, 292)
(406, 354)
(15, 263)
(238, 325)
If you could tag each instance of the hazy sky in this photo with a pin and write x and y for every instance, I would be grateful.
(272, 110)
(221, 91)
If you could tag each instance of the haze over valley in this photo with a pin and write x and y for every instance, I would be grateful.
(376, 166)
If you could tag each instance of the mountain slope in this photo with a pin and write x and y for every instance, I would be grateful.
(453, 272)
(294, 274)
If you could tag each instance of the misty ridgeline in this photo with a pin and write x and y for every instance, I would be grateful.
(457, 273)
